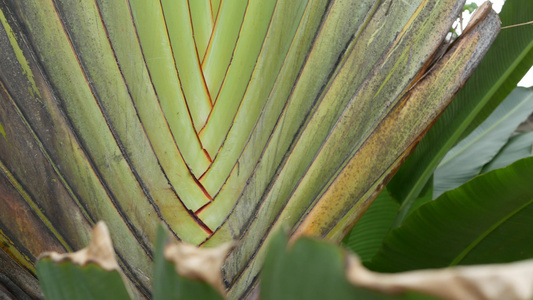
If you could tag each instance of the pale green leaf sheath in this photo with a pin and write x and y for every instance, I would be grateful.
(237, 76)
(121, 31)
(465, 161)
(203, 19)
(222, 120)
(154, 37)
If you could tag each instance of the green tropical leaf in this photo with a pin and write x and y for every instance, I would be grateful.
(509, 58)
(91, 273)
(519, 146)
(69, 281)
(426, 195)
(308, 269)
(487, 220)
(168, 284)
(467, 158)
(367, 235)
(312, 270)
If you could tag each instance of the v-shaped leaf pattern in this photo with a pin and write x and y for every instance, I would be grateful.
(224, 119)
(217, 96)
(200, 66)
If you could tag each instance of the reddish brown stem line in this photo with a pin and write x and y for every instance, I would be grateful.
(517, 25)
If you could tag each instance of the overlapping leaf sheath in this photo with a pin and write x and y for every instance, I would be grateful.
(382, 133)
(222, 119)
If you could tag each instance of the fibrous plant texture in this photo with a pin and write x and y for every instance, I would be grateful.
(224, 120)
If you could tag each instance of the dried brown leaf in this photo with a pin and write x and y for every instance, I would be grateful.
(497, 281)
(199, 264)
(100, 251)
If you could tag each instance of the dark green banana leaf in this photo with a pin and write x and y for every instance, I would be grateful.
(487, 220)
(310, 269)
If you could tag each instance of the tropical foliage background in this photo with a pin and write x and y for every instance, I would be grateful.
(273, 114)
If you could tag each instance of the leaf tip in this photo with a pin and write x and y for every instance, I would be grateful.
(99, 251)
(200, 264)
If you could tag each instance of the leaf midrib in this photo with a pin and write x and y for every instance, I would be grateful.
(486, 233)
